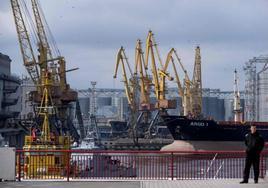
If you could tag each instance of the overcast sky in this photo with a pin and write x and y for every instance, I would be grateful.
(90, 32)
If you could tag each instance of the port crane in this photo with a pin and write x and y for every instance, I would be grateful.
(159, 75)
(43, 62)
(131, 89)
(145, 81)
(184, 89)
(196, 100)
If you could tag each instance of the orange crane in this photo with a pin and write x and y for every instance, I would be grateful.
(39, 64)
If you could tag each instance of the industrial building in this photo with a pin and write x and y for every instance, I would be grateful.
(26, 106)
(256, 89)
(11, 132)
(113, 103)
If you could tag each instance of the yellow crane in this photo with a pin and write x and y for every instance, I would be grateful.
(47, 140)
(159, 75)
(130, 85)
(44, 61)
(185, 89)
(145, 81)
(197, 85)
(49, 96)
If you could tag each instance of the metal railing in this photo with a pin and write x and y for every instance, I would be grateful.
(73, 165)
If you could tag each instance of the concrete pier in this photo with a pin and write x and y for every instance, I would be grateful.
(220, 183)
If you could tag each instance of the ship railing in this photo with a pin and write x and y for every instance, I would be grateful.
(88, 165)
(247, 123)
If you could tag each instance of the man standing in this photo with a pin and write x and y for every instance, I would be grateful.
(254, 145)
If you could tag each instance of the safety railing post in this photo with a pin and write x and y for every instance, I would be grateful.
(262, 165)
(265, 164)
(172, 168)
(19, 167)
(68, 165)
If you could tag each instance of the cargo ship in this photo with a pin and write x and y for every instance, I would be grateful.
(204, 134)
(196, 133)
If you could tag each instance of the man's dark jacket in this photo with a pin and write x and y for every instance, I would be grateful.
(254, 143)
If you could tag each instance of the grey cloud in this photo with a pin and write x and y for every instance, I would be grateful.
(4, 5)
(89, 32)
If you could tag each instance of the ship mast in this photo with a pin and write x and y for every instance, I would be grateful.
(237, 104)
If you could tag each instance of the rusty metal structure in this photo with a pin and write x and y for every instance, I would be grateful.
(42, 60)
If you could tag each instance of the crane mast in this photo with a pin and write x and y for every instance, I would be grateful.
(197, 85)
(46, 107)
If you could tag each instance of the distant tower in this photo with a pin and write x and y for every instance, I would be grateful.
(93, 101)
(237, 105)
(93, 112)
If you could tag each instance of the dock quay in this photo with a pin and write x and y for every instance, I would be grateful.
(220, 183)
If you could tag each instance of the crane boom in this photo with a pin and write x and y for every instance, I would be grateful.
(130, 89)
(144, 77)
(170, 58)
(121, 58)
(29, 59)
(150, 52)
(45, 47)
(159, 76)
(185, 90)
(40, 28)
